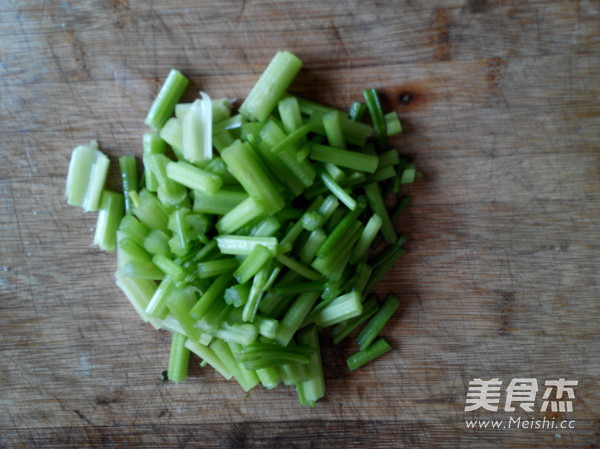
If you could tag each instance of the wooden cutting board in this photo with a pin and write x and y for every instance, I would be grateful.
(500, 105)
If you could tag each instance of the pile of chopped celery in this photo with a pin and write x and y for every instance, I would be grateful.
(249, 232)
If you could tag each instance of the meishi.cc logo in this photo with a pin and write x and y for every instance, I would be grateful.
(486, 394)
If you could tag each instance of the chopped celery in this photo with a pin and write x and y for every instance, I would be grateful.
(251, 247)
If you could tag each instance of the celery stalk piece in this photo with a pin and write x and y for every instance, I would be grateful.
(131, 227)
(137, 291)
(197, 131)
(271, 86)
(164, 104)
(267, 227)
(239, 216)
(244, 245)
(141, 269)
(314, 387)
(150, 212)
(169, 267)
(216, 267)
(86, 177)
(389, 157)
(343, 329)
(172, 133)
(345, 158)
(312, 245)
(252, 264)
(170, 193)
(179, 358)
(131, 249)
(333, 129)
(129, 179)
(392, 124)
(224, 353)
(179, 303)
(377, 322)
(269, 355)
(249, 376)
(360, 358)
(229, 123)
(237, 295)
(378, 207)
(157, 242)
(295, 316)
(269, 377)
(157, 306)
(366, 238)
(357, 111)
(376, 113)
(408, 174)
(194, 178)
(245, 166)
(215, 291)
(340, 309)
(242, 333)
(218, 203)
(207, 354)
(109, 218)
(290, 114)
(256, 294)
(299, 268)
(340, 193)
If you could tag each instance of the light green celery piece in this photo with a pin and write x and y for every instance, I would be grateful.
(314, 387)
(207, 354)
(338, 191)
(219, 203)
(366, 238)
(342, 330)
(392, 123)
(86, 177)
(157, 242)
(239, 216)
(271, 86)
(179, 358)
(312, 245)
(223, 351)
(257, 258)
(245, 166)
(243, 245)
(250, 378)
(141, 269)
(290, 114)
(299, 268)
(172, 133)
(179, 303)
(150, 212)
(109, 218)
(164, 104)
(131, 227)
(340, 309)
(157, 306)
(214, 292)
(360, 358)
(266, 227)
(129, 178)
(269, 377)
(243, 333)
(212, 268)
(194, 178)
(137, 291)
(294, 317)
(197, 131)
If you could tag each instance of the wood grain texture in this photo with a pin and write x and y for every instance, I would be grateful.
(500, 103)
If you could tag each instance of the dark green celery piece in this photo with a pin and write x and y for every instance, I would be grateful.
(179, 358)
(377, 322)
(295, 316)
(299, 268)
(245, 166)
(403, 203)
(163, 106)
(377, 117)
(366, 238)
(357, 111)
(378, 207)
(345, 158)
(332, 241)
(343, 329)
(301, 287)
(271, 86)
(360, 358)
(109, 218)
(313, 388)
(129, 179)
